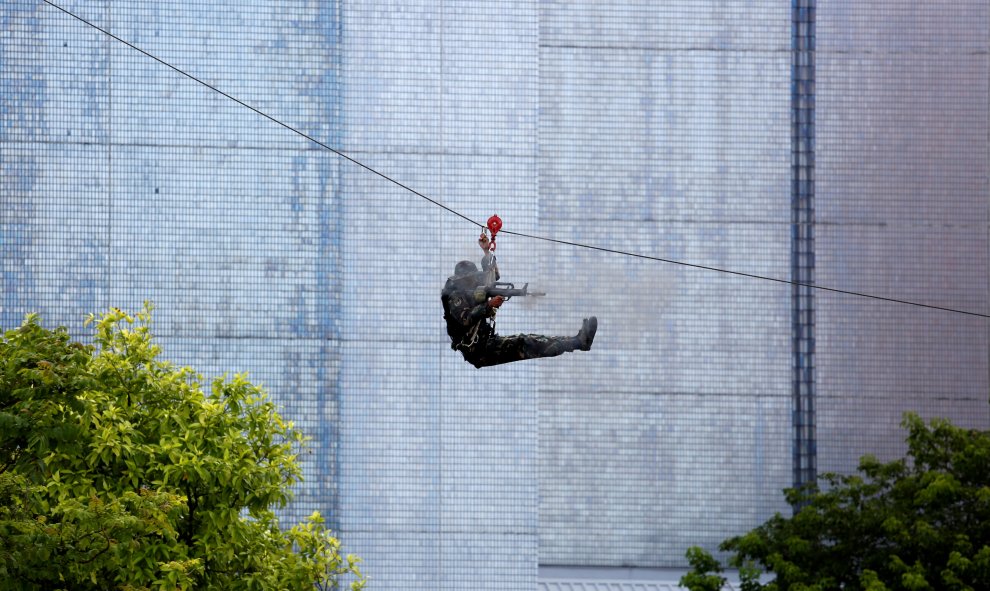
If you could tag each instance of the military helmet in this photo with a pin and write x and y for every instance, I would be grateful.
(465, 268)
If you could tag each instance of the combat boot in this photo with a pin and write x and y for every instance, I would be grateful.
(587, 334)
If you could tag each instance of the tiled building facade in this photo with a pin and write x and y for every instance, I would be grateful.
(841, 142)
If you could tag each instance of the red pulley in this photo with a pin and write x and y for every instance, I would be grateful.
(494, 225)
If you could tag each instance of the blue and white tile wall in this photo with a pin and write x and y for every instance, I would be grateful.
(660, 129)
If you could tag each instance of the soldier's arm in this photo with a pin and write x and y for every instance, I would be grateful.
(463, 309)
(488, 265)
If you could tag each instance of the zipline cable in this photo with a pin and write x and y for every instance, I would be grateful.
(751, 275)
(466, 218)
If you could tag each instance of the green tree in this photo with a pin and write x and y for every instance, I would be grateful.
(921, 522)
(117, 471)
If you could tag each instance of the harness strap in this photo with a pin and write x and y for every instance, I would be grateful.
(471, 338)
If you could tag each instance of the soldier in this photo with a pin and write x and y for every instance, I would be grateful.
(472, 335)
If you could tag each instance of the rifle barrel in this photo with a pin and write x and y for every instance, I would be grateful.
(507, 290)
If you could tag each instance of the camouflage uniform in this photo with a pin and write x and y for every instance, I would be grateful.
(471, 334)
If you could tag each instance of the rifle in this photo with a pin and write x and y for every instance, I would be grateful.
(491, 286)
(504, 289)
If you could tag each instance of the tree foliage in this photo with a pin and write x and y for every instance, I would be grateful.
(921, 522)
(117, 471)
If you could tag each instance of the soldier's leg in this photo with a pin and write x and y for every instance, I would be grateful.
(497, 350)
(500, 350)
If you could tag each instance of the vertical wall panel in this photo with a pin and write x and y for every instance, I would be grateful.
(664, 131)
(902, 203)
(441, 97)
(135, 183)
